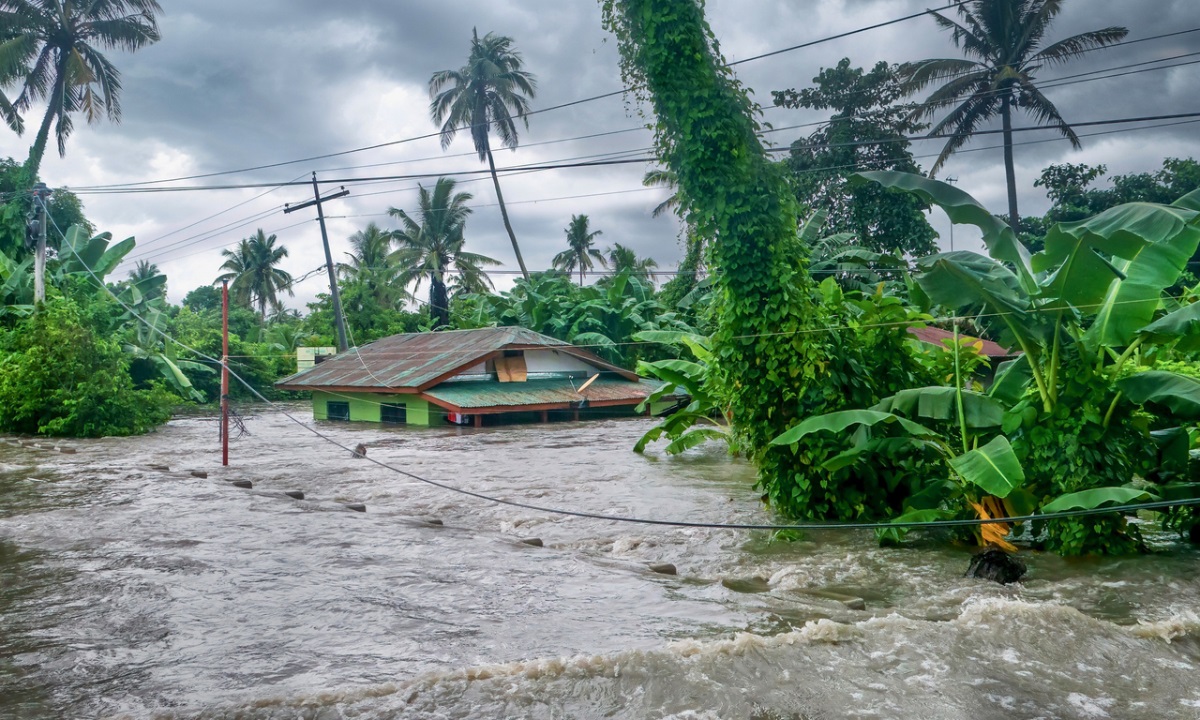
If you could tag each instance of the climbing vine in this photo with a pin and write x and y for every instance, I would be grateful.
(773, 360)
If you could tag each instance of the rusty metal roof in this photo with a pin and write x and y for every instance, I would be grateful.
(415, 361)
(935, 336)
(558, 392)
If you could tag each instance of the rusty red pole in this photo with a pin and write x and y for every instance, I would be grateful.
(225, 372)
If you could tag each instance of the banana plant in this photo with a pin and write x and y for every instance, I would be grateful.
(1096, 285)
(705, 417)
(146, 344)
(1091, 302)
(84, 256)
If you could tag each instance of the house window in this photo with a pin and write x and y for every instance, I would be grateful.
(396, 414)
(337, 410)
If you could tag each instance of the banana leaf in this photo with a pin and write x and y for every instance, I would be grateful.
(1001, 241)
(1179, 393)
(993, 467)
(837, 422)
(695, 437)
(962, 279)
(1097, 497)
(1183, 323)
(940, 403)
(700, 345)
(1012, 380)
(1191, 201)
(1153, 244)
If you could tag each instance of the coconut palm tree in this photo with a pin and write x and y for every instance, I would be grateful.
(579, 253)
(431, 247)
(1001, 39)
(370, 265)
(487, 92)
(145, 270)
(624, 258)
(253, 277)
(666, 179)
(51, 49)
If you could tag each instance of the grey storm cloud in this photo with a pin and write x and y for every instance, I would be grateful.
(239, 84)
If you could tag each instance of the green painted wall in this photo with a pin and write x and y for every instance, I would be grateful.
(364, 407)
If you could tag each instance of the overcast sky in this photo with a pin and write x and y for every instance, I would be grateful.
(236, 84)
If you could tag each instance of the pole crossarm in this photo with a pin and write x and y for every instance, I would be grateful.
(339, 320)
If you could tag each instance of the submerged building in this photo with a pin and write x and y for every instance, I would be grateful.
(474, 377)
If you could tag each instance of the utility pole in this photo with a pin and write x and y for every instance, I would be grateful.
(38, 226)
(224, 372)
(338, 319)
(952, 181)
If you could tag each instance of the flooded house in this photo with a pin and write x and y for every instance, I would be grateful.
(470, 377)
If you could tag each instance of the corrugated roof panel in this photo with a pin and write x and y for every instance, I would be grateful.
(559, 391)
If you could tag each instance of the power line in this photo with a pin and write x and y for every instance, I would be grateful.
(551, 108)
(857, 166)
(635, 520)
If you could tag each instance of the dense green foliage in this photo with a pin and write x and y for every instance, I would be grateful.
(867, 131)
(60, 376)
(774, 362)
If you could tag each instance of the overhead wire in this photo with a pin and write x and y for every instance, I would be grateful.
(819, 525)
(532, 112)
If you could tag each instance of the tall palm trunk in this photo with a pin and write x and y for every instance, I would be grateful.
(504, 212)
(1014, 217)
(38, 151)
(439, 305)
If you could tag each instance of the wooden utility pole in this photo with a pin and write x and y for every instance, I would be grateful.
(339, 320)
(40, 193)
(224, 372)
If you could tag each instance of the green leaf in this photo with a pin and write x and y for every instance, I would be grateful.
(940, 403)
(962, 279)
(695, 437)
(1001, 242)
(993, 467)
(1179, 393)
(1097, 497)
(700, 345)
(1153, 244)
(837, 422)
(1191, 201)
(1012, 380)
(1182, 322)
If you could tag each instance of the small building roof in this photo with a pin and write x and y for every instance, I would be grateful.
(935, 336)
(415, 362)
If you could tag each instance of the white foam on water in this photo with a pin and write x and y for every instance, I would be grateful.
(1089, 706)
(1184, 624)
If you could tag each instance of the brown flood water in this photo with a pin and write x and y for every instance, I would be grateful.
(130, 591)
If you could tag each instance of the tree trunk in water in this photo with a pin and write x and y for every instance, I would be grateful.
(504, 214)
(1010, 175)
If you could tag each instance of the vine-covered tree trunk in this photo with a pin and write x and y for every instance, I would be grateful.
(766, 361)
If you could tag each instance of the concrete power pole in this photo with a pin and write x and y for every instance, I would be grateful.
(338, 319)
(40, 194)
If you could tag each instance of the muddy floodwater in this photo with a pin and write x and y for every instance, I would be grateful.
(130, 588)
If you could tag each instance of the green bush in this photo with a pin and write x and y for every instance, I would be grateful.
(59, 377)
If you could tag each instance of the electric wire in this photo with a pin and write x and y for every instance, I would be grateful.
(819, 525)
(532, 112)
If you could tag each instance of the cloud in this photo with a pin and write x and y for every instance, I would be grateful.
(239, 84)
